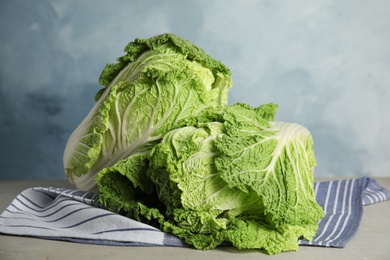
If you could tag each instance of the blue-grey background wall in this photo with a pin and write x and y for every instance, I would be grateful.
(325, 62)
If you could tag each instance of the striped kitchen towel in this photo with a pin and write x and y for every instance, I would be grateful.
(72, 215)
(343, 201)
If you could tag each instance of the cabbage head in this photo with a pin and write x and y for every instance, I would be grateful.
(158, 82)
(237, 177)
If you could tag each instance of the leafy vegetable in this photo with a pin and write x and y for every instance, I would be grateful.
(162, 146)
(242, 178)
(158, 82)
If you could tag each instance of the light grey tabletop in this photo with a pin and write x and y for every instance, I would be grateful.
(372, 240)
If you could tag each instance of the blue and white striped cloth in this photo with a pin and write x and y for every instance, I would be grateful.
(72, 215)
(343, 201)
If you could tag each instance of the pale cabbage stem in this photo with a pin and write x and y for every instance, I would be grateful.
(126, 151)
(288, 130)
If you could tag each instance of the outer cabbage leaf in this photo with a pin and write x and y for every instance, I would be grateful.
(160, 81)
(273, 159)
